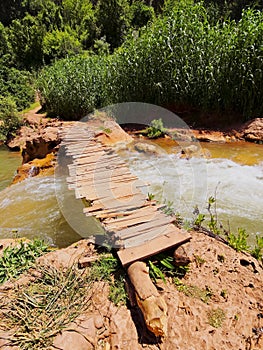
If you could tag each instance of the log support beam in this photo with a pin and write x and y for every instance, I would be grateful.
(151, 303)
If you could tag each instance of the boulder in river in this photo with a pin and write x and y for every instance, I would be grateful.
(253, 130)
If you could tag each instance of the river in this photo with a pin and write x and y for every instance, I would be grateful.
(233, 174)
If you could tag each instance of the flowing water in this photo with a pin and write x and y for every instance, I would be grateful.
(233, 174)
(9, 161)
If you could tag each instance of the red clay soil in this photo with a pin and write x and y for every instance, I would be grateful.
(217, 305)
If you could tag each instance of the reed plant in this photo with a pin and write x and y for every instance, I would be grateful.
(183, 57)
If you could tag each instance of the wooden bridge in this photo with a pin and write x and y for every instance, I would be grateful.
(135, 225)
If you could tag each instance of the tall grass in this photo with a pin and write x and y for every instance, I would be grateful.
(180, 58)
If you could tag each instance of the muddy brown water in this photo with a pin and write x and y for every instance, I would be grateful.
(232, 172)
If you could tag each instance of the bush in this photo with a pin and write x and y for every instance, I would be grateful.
(60, 44)
(73, 87)
(9, 120)
(179, 59)
(18, 84)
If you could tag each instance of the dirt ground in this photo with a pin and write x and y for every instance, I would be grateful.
(218, 304)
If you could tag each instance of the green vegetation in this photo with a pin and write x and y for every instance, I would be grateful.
(161, 266)
(156, 129)
(9, 118)
(193, 291)
(108, 268)
(181, 59)
(88, 54)
(216, 317)
(41, 310)
(19, 258)
(257, 251)
(237, 241)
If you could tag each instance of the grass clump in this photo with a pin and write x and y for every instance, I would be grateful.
(41, 310)
(161, 266)
(216, 317)
(203, 294)
(109, 269)
(17, 259)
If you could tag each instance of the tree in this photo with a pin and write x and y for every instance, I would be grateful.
(26, 38)
(80, 16)
(141, 14)
(10, 10)
(114, 20)
(60, 44)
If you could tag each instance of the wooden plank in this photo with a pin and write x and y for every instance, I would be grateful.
(117, 206)
(113, 180)
(102, 173)
(122, 214)
(105, 158)
(154, 246)
(147, 235)
(132, 220)
(142, 228)
(97, 167)
(92, 193)
(142, 212)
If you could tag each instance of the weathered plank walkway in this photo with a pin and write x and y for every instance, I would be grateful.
(133, 223)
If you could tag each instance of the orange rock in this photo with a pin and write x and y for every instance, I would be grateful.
(36, 167)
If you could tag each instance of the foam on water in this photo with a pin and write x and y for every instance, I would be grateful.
(188, 182)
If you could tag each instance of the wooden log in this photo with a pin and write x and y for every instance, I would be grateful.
(152, 305)
(154, 246)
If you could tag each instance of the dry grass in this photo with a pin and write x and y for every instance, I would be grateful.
(36, 313)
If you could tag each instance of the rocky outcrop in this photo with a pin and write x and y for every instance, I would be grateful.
(253, 130)
(147, 148)
(37, 137)
(36, 142)
(43, 167)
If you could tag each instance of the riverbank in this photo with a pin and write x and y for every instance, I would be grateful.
(218, 304)
(38, 138)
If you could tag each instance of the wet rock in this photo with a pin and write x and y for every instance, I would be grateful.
(253, 130)
(110, 133)
(190, 150)
(211, 136)
(35, 167)
(145, 147)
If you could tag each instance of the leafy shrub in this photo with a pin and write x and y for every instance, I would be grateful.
(156, 129)
(59, 44)
(9, 120)
(141, 14)
(257, 251)
(17, 259)
(25, 37)
(239, 241)
(18, 84)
